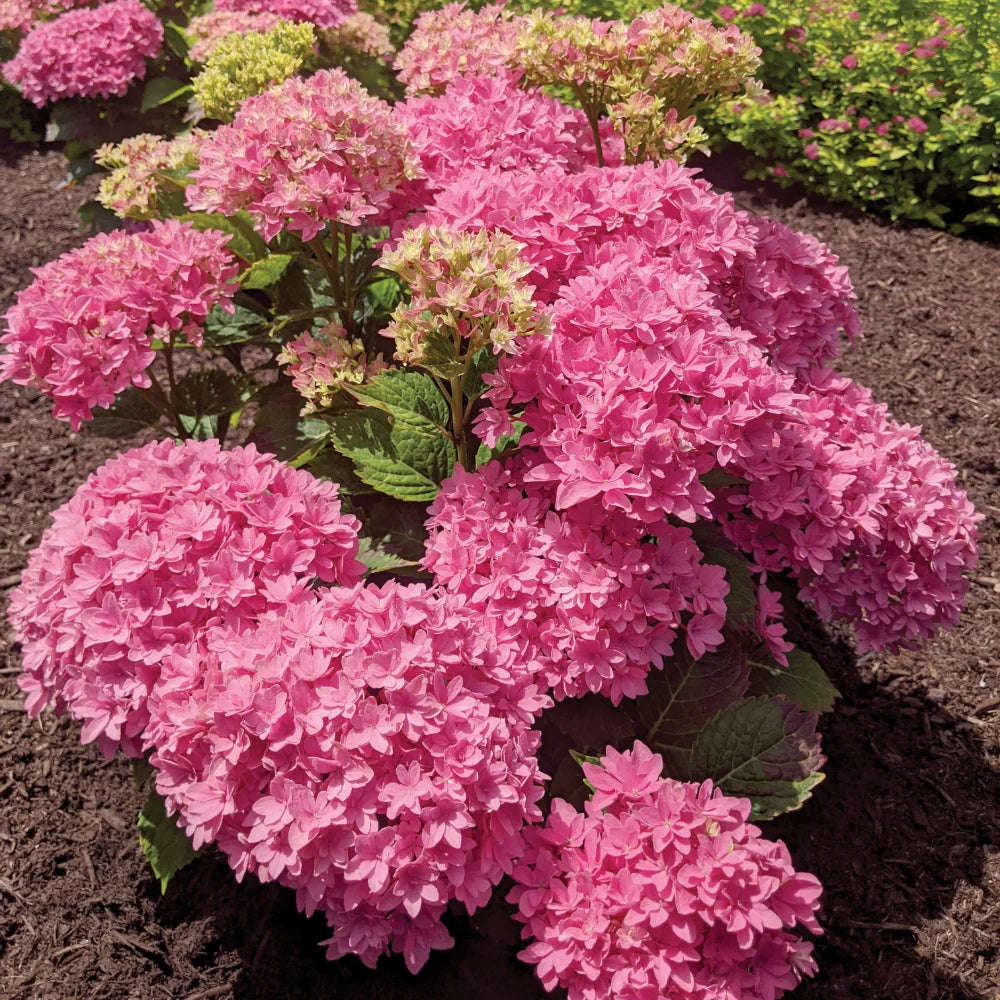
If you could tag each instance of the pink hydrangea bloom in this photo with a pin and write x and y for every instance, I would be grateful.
(661, 889)
(487, 121)
(916, 124)
(356, 748)
(322, 13)
(207, 30)
(454, 42)
(304, 154)
(157, 545)
(82, 331)
(811, 151)
(598, 596)
(91, 52)
(21, 15)
(849, 62)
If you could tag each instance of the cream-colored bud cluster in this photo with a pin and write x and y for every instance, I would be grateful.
(469, 289)
(241, 66)
(135, 166)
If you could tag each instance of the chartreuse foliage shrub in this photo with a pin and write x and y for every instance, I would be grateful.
(892, 106)
(456, 423)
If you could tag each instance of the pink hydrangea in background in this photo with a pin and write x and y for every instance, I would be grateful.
(453, 42)
(487, 121)
(160, 543)
(207, 30)
(304, 154)
(661, 889)
(91, 52)
(20, 15)
(354, 748)
(322, 13)
(82, 331)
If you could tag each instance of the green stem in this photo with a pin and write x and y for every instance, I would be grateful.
(458, 421)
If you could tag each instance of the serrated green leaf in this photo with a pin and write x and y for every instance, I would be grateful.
(162, 90)
(686, 693)
(280, 429)
(484, 361)
(378, 556)
(130, 413)
(164, 844)
(207, 392)
(176, 40)
(802, 681)
(763, 749)
(222, 328)
(265, 272)
(410, 398)
(440, 357)
(393, 458)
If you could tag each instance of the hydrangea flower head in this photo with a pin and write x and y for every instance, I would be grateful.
(304, 154)
(82, 331)
(321, 362)
(358, 34)
(468, 290)
(243, 65)
(661, 888)
(322, 13)
(130, 188)
(91, 52)
(157, 545)
(207, 30)
(354, 748)
(454, 41)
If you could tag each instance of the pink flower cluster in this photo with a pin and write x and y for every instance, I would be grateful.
(688, 337)
(453, 42)
(487, 121)
(322, 13)
(304, 154)
(661, 889)
(159, 544)
(82, 331)
(94, 51)
(207, 30)
(21, 15)
(353, 747)
(598, 596)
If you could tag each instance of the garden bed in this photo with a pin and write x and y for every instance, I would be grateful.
(904, 834)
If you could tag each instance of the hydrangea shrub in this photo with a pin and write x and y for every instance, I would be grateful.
(460, 423)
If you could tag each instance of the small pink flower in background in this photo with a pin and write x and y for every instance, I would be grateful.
(755, 10)
(849, 62)
(883, 129)
(727, 14)
(916, 124)
(779, 170)
(322, 13)
(811, 151)
(924, 53)
(854, 15)
(806, 133)
(903, 47)
(898, 119)
(864, 123)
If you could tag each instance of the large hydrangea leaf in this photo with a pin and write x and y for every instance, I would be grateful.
(802, 681)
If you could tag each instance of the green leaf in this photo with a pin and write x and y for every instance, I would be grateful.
(763, 749)
(394, 459)
(399, 525)
(207, 392)
(265, 272)
(162, 90)
(164, 844)
(686, 693)
(130, 413)
(440, 356)
(176, 40)
(379, 557)
(483, 362)
(802, 681)
(410, 398)
(244, 240)
(281, 431)
(222, 328)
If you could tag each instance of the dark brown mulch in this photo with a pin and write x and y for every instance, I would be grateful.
(905, 832)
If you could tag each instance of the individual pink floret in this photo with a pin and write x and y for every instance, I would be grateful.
(82, 331)
(305, 154)
(91, 52)
(356, 747)
(160, 543)
(661, 889)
